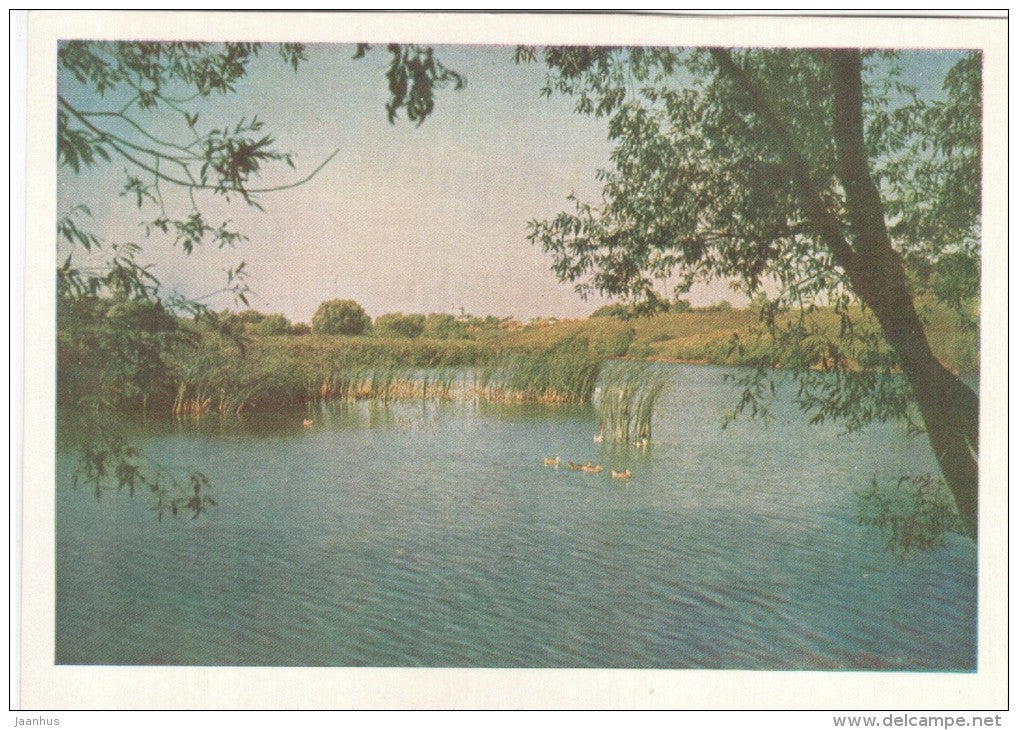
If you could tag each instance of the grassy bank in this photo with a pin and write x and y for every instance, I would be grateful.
(706, 337)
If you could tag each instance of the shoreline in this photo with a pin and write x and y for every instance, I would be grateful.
(549, 362)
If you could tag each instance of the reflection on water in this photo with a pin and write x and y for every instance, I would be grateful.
(433, 535)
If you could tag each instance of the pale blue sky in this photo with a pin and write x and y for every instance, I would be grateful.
(405, 218)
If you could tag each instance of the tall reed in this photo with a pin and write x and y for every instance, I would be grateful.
(217, 379)
(627, 395)
(564, 373)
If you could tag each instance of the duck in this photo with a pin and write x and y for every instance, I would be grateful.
(621, 474)
(574, 466)
(308, 423)
(591, 468)
(552, 461)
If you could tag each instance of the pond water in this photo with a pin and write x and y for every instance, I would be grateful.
(433, 535)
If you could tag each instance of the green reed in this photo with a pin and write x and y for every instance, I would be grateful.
(218, 379)
(564, 373)
(627, 395)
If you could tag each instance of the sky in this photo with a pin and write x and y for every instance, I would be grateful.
(429, 218)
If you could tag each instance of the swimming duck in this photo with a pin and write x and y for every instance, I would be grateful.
(574, 466)
(552, 462)
(590, 468)
(621, 474)
(308, 423)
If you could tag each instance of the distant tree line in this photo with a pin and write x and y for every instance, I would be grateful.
(347, 317)
(679, 305)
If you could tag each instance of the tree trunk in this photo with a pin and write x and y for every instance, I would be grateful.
(950, 409)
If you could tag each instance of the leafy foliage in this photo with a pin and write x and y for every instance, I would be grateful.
(694, 189)
(414, 73)
(148, 77)
(441, 326)
(698, 190)
(928, 159)
(132, 85)
(843, 370)
(141, 332)
(110, 463)
(816, 174)
(915, 514)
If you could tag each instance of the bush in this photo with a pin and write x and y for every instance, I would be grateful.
(612, 310)
(273, 324)
(249, 317)
(397, 324)
(300, 328)
(340, 317)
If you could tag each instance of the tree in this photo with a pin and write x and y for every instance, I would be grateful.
(340, 317)
(818, 171)
(397, 324)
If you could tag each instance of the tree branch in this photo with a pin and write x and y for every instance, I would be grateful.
(138, 127)
(114, 141)
(827, 224)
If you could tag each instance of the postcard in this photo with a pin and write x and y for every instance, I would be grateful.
(514, 360)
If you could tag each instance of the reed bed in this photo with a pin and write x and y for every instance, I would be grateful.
(387, 383)
(627, 395)
(567, 372)
(214, 380)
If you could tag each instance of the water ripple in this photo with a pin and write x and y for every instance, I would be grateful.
(454, 546)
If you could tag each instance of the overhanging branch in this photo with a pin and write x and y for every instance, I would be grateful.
(118, 143)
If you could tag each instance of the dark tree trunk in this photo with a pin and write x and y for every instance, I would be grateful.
(950, 409)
